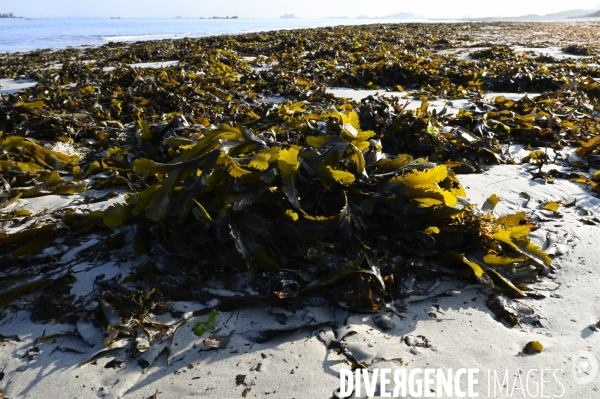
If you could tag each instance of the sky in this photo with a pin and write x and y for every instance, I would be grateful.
(276, 8)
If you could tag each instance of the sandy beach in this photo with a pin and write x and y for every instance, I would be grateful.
(453, 319)
(86, 313)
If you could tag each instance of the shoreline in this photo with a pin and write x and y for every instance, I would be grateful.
(358, 22)
(280, 24)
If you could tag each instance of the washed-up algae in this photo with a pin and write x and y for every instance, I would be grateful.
(348, 200)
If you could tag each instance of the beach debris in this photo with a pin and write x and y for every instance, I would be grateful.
(508, 309)
(239, 379)
(8, 338)
(553, 205)
(246, 391)
(154, 395)
(113, 347)
(532, 348)
(62, 349)
(384, 321)
(217, 341)
(595, 327)
(33, 352)
(341, 348)
(114, 364)
(417, 341)
(490, 203)
(264, 336)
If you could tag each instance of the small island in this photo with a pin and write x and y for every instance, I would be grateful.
(288, 16)
(9, 15)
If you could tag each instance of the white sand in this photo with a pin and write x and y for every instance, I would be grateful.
(9, 86)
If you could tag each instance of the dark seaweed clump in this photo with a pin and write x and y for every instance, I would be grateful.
(580, 49)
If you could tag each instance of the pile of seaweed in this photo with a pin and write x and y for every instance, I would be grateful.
(314, 195)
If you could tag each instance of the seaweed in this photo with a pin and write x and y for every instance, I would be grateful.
(349, 200)
(581, 49)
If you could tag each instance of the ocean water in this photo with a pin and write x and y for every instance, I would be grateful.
(22, 34)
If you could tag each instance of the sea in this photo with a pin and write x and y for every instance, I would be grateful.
(24, 34)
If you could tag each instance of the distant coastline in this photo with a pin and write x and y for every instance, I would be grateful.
(234, 17)
(9, 15)
(562, 15)
(400, 15)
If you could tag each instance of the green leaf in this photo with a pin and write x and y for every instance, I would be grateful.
(432, 130)
(201, 327)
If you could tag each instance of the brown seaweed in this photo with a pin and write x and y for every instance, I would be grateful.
(315, 194)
